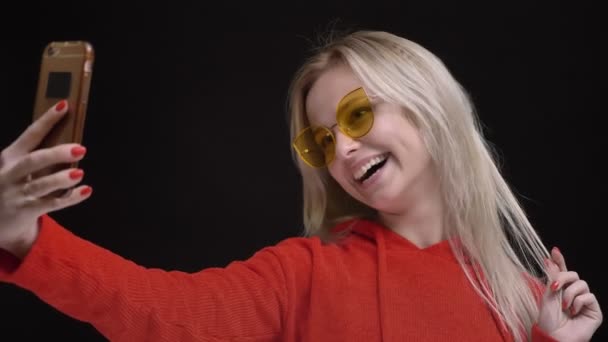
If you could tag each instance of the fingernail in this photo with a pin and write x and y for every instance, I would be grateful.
(87, 190)
(572, 311)
(554, 285)
(60, 105)
(556, 249)
(78, 151)
(76, 174)
(564, 304)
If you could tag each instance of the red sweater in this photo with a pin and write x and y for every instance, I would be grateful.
(374, 286)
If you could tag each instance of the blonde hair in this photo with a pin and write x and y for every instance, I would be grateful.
(491, 227)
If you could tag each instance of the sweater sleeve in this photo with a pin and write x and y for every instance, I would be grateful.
(126, 302)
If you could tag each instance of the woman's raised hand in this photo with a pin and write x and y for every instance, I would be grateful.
(23, 199)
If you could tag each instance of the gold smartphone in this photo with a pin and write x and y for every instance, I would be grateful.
(65, 74)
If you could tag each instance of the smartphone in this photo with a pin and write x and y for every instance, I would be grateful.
(65, 74)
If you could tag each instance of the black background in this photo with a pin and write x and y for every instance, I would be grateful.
(188, 147)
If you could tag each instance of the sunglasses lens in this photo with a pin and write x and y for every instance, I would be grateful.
(316, 146)
(355, 116)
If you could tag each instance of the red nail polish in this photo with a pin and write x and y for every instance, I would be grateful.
(78, 151)
(554, 285)
(87, 190)
(564, 304)
(60, 105)
(76, 174)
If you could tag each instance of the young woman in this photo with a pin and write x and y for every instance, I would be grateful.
(413, 232)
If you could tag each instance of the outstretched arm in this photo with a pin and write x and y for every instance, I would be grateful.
(127, 302)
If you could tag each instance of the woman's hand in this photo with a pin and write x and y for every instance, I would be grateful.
(22, 199)
(569, 311)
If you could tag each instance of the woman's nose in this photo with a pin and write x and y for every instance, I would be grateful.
(345, 145)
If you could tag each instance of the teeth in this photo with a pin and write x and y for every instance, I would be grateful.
(366, 167)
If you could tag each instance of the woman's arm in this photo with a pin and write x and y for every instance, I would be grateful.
(125, 301)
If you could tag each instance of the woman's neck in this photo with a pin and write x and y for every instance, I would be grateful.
(421, 220)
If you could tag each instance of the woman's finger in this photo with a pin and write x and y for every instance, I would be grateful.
(45, 185)
(35, 133)
(573, 290)
(73, 197)
(551, 268)
(39, 159)
(563, 279)
(586, 301)
(558, 257)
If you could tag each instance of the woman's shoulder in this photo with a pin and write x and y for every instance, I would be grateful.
(342, 241)
(342, 233)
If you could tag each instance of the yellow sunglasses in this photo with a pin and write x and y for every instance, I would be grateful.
(354, 116)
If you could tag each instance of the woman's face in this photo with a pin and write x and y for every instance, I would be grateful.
(381, 168)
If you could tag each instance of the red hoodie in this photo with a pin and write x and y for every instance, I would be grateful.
(373, 286)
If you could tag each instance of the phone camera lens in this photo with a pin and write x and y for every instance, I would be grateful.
(51, 51)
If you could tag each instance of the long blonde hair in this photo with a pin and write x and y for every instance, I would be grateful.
(490, 225)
